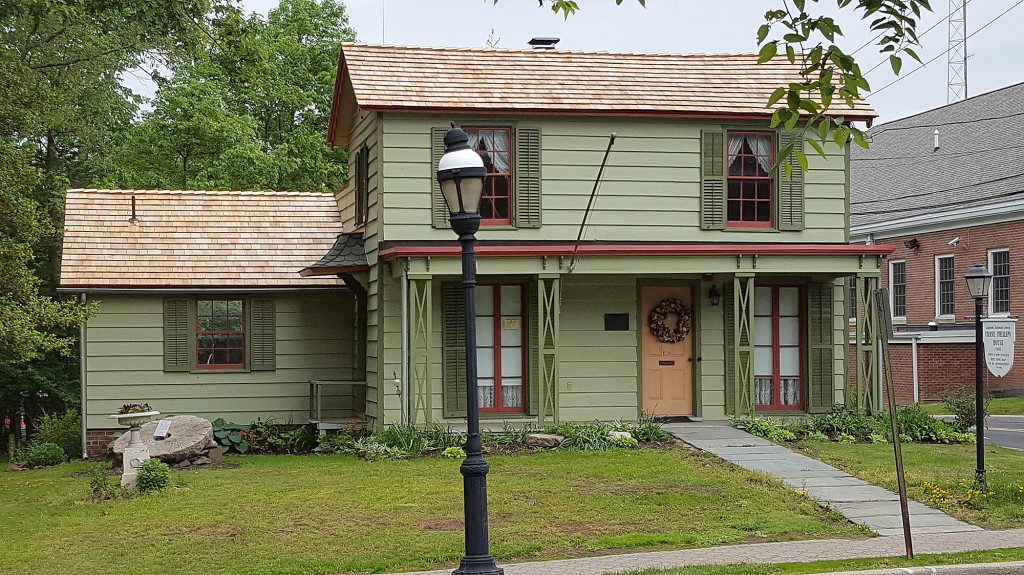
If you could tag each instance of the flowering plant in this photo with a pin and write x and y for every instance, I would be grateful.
(134, 408)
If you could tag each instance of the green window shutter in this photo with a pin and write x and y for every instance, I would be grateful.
(791, 190)
(362, 168)
(819, 347)
(533, 371)
(730, 360)
(453, 348)
(439, 217)
(177, 335)
(262, 351)
(527, 175)
(712, 180)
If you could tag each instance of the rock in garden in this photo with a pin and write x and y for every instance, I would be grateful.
(202, 460)
(15, 467)
(187, 437)
(545, 440)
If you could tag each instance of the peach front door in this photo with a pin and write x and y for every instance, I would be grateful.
(667, 367)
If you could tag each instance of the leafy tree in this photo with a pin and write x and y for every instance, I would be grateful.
(247, 108)
(801, 31)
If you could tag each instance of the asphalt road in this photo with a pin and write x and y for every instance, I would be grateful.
(1005, 431)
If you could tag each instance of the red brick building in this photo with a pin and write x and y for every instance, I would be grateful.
(947, 188)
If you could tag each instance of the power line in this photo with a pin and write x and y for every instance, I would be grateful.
(952, 123)
(940, 155)
(933, 206)
(933, 26)
(928, 193)
(1019, 2)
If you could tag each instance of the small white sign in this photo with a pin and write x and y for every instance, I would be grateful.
(999, 335)
(162, 427)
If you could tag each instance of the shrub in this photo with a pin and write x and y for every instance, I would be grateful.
(878, 438)
(443, 438)
(65, 430)
(963, 405)
(846, 438)
(45, 455)
(402, 437)
(759, 426)
(584, 437)
(369, 449)
(454, 453)
(154, 475)
(626, 442)
(647, 429)
(781, 434)
(817, 436)
(844, 421)
(230, 436)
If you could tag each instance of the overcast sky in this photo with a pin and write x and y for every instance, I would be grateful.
(689, 26)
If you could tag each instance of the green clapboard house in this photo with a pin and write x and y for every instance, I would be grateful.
(703, 283)
(688, 220)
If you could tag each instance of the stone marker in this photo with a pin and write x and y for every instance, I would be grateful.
(545, 440)
(188, 436)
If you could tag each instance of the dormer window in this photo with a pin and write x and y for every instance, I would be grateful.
(494, 144)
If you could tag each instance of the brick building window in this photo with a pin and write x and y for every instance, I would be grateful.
(853, 297)
(898, 288)
(944, 284)
(999, 264)
(750, 160)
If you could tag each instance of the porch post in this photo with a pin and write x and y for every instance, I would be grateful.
(549, 302)
(421, 322)
(867, 346)
(743, 342)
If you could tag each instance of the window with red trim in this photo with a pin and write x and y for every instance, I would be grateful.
(778, 361)
(495, 147)
(750, 157)
(220, 334)
(500, 332)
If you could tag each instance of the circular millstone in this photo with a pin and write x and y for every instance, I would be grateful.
(187, 437)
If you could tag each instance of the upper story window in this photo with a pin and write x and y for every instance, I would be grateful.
(220, 334)
(999, 263)
(944, 284)
(750, 158)
(898, 287)
(495, 147)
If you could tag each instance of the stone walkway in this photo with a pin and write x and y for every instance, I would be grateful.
(860, 501)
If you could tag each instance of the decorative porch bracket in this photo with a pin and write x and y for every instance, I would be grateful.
(864, 396)
(549, 303)
(743, 346)
(420, 344)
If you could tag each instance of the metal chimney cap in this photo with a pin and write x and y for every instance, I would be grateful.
(543, 43)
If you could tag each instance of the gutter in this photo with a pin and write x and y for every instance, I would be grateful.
(941, 221)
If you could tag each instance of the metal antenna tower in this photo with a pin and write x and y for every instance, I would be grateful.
(957, 55)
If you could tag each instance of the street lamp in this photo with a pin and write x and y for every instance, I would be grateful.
(978, 281)
(461, 174)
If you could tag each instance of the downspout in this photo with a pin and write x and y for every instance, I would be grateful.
(913, 347)
(81, 377)
(405, 344)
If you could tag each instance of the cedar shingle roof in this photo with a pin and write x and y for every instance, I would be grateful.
(196, 238)
(978, 161)
(545, 81)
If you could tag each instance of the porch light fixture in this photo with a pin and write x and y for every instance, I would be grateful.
(978, 281)
(714, 297)
(461, 173)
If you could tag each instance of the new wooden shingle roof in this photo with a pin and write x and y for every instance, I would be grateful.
(380, 77)
(196, 239)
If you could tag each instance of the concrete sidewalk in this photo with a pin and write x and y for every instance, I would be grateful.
(783, 552)
(860, 501)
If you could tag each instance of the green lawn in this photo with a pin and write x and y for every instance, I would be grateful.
(998, 556)
(326, 514)
(948, 469)
(998, 406)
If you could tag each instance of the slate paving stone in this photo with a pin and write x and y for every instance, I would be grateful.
(861, 502)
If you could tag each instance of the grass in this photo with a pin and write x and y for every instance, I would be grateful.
(298, 515)
(998, 556)
(998, 406)
(939, 475)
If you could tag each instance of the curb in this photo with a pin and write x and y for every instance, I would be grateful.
(971, 569)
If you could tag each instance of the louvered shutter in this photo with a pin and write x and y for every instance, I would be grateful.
(439, 216)
(791, 189)
(819, 347)
(534, 374)
(712, 180)
(453, 348)
(730, 348)
(177, 335)
(527, 175)
(362, 169)
(262, 349)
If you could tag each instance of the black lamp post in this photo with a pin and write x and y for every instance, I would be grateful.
(978, 281)
(461, 174)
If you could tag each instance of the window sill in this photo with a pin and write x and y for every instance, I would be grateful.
(750, 229)
(226, 370)
(899, 320)
(498, 227)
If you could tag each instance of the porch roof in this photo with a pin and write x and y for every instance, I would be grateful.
(348, 254)
(195, 239)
